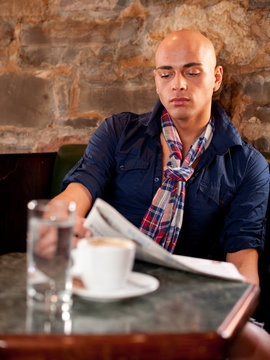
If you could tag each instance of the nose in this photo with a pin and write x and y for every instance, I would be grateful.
(179, 82)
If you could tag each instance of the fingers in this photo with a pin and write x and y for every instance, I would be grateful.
(79, 230)
(46, 244)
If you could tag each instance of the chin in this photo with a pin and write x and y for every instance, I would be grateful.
(179, 115)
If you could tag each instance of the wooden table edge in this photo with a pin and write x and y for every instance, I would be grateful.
(240, 313)
(154, 346)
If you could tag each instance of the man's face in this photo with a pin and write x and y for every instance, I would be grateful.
(185, 78)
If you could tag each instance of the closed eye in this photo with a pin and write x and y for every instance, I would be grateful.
(193, 73)
(165, 74)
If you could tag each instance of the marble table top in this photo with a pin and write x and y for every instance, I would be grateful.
(183, 303)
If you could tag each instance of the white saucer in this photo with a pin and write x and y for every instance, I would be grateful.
(138, 284)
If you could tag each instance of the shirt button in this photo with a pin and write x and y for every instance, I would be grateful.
(156, 179)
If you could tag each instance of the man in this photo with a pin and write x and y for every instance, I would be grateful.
(181, 173)
(226, 196)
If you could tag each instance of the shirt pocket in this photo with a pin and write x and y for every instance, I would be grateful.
(133, 177)
(218, 194)
(130, 164)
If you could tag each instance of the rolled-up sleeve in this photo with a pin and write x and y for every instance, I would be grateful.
(244, 225)
(94, 169)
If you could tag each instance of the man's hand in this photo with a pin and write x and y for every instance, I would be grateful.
(46, 243)
(79, 230)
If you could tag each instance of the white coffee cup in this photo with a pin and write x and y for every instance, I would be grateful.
(104, 263)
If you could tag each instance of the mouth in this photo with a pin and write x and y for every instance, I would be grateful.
(179, 101)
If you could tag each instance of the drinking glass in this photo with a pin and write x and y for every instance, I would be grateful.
(47, 322)
(49, 242)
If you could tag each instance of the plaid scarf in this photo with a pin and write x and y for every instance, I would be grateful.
(163, 220)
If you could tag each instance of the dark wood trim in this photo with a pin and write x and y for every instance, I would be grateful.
(105, 347)
(23, 177)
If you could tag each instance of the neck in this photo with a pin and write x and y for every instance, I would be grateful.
(190, 127)
(188, 136)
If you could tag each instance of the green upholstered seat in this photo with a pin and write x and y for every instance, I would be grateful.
(66, 158)
(267, 156)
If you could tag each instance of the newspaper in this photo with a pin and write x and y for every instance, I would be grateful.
(104, 220)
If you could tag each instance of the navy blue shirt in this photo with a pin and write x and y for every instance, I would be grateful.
(226, 198)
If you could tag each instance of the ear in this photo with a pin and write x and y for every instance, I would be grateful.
(218, 77)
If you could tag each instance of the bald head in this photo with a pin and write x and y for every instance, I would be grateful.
(185, 41)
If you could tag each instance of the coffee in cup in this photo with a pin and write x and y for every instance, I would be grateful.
(105, 262)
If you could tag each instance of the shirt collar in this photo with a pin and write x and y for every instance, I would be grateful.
(154, 124)
(225, 135)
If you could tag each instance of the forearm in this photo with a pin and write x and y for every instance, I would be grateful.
(80, 195)
(246, 261)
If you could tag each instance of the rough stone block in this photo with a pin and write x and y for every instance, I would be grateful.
(23, 7)
(262, 143)
(74, 32)
(253, 4)
(260, 112)
(81, 123)
(26, 101)
(80, 6)
(36, 56)
(3, 58)
(115, 99)
(258, 88)
(59, 33)
(6, 33)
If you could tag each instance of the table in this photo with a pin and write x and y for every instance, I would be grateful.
(188, 317)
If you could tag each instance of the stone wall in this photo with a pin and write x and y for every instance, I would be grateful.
(67, 64)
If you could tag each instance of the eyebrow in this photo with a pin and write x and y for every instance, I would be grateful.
(188, 65)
